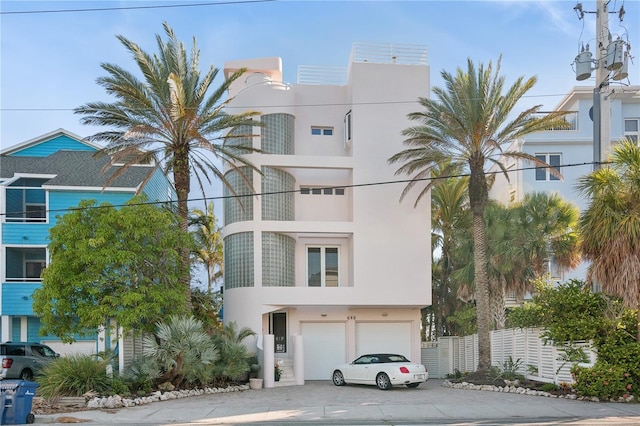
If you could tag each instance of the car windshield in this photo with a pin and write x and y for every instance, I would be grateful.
(380, 358)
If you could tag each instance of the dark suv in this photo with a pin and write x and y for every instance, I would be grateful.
(23, 360)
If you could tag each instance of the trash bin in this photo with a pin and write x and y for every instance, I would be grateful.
(18, 399)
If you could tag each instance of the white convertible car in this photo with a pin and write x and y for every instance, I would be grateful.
(382, 370)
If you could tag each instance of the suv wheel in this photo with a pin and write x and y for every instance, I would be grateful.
(26, 375)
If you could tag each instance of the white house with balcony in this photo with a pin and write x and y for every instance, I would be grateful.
(324, 262)
(571, 149)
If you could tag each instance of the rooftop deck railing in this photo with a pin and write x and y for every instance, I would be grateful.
(377, 53)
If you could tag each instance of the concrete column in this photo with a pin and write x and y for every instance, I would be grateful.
(269, 360)
(298, 358)
(5, 332)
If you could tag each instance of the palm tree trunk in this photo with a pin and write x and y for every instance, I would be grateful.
(182, 181)
(483, 309)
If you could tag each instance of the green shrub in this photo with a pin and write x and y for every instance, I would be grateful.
(141, 374)
(74, 376)
(119, 387)
(549, 387)
(603, 380)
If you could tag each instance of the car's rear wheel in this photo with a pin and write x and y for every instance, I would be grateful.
(383, 382)
(413, 385)
(26, 375)
(338, 378)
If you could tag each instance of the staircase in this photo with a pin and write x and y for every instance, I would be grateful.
(287, 378)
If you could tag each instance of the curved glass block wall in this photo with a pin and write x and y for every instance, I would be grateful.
(237, 207)
(240, 136)
(238, 260)
(277, 134)
(278, 260)
(278, 201)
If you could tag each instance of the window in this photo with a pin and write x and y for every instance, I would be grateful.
(24, 264)
(322, 266)
(347, 127)
(33, 269)
(26, 201)
(321, 191)
(632, 128)
(324, 131)
(542, 173)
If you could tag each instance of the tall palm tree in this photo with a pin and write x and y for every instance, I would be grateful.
(610, 226)
(208, 239)
(468, 123)
(170, 114)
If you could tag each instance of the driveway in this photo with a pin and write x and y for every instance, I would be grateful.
(320, 402)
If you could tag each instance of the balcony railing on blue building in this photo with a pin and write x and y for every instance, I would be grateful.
(571, 119)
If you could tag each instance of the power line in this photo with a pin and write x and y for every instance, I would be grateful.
(285, 105)
(103, 9)
(360, 185)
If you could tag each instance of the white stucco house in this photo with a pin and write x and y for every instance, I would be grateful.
(570, 148)
(325, 262)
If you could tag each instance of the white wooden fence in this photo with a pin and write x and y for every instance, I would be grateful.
(539, 361)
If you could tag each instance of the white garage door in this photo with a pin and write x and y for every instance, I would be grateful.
(388, 337)
(324, 348)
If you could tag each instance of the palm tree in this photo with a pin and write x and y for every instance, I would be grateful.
(545, 228)
(468, 123)
(610, 226)
(170, 115)
(449, 215)
(209, 248)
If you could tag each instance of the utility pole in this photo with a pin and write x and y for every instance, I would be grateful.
(611, 62)
(601, 103)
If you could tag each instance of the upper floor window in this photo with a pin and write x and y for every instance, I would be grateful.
(324, 131)
(543, 173)
(26, 201)
(24, 264)
(632, 128)
(323, 266)
(347, 127)
(321, 191)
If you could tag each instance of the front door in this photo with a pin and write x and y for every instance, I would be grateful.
(279, 330)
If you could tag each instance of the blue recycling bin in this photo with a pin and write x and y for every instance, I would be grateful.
(18, 399)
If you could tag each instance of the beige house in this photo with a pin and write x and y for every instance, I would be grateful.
(324, 262)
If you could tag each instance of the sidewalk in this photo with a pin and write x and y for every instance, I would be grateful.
(320, 402)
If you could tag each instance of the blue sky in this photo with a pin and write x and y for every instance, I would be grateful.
(49, 61)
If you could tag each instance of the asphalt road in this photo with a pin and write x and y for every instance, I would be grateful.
(320, 402)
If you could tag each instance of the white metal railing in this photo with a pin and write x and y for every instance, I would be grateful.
(389, 53)
(378, 53)
(572, 122)
(309, 74)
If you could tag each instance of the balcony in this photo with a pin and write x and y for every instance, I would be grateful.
(571, 119)
(24, 265)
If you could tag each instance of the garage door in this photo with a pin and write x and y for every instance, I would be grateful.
(387, 337)
(324, 348)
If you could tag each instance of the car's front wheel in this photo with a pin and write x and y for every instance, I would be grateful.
(383, 382)
(413, 385)
(338, 378)
(26, 375)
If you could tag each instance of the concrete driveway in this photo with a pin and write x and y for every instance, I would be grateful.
(320, 402)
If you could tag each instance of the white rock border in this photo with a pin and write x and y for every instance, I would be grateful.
(526, 391)
(117, 401)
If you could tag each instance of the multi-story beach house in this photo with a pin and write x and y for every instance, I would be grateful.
(571, 149)
(39, 180)
(324, 261)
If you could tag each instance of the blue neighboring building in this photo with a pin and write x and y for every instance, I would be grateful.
(39, 180)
